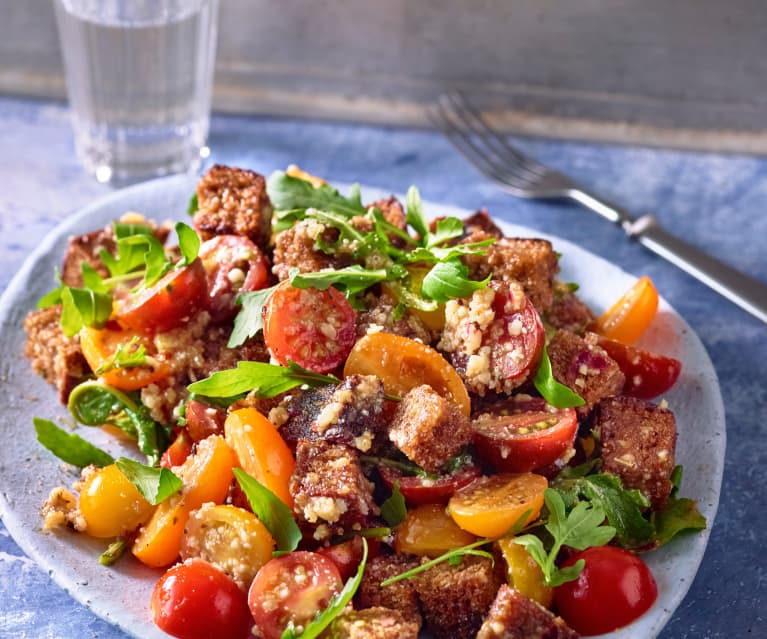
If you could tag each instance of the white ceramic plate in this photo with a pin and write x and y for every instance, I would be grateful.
(121, 594)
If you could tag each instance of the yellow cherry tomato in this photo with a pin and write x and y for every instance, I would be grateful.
(402, 364)
(428, 530)
(490, 506)
(628, 318)
(524, 573)
(111, 504)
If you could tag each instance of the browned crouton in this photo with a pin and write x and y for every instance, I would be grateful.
(329, 490)
(429, 428)
(372, 623)
(400, 595)
(57, 358)
(568, 311)
(638, 442)
(531, 262)
(348, 413)
(455, 599)
(481, 221)
(296, 248)
(382, 315)
(233, 201)
(392, 210)
(579, 363)
(514, 616)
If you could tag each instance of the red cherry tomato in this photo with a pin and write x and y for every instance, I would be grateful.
(614, 589)
(420, 490)
(178, 451)
(315, 329)
(521, 442)
(196, 600)
(647, 374)
(203, 420)
(233, 265)
(348, 554)
(292, 588)
(168, 303)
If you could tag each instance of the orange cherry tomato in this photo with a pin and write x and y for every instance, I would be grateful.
(428, 530)
(402, 364)
(628, 318)
(260, 451)
(524, 573)
(100, 347)
(490, 506)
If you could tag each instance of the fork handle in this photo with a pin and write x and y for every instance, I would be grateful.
(748, 293)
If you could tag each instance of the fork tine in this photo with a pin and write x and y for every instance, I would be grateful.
(473, 119)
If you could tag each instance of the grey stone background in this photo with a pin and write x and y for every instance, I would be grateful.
(683, 73)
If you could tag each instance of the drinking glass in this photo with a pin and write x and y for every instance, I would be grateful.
(139, 77)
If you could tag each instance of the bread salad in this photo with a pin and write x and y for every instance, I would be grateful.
(356, 421)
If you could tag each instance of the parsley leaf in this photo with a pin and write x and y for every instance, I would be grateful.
(155, 484)
(264, 380)
(580, 529)
(69, 447)
(275, 515)
(555, 393)
(393, 509)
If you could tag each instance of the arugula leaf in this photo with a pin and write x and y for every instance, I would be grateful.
(415, 215)
(393, 509)
(52, 297)
(580, 529)
(155, 484)
(92, 280)
(680, 515)
(265, 380)
(447, 228)
(123, 230)
(69, 447)
(349, 280)
(275, 515)
(126, 356)
(83, 307)
(335, 607)
(448, 280)
(114, 551)
(250, 319)
(193, 206)
(296, 195)
(556, 394)
(188, 242)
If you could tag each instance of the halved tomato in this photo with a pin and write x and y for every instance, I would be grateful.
(627, 319)
(523, 441)
(422, 490)
(402, 364)
(315, 329)
(429, 531)
(647, 374)
(168, 303)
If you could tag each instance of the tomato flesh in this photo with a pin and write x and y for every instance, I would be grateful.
(178, 451)
(315, 329)
(196, 600)
(521, 442)
(421, 490)
(167, 304)
(628, 318)
(647, 374)
(292, 588)
(430, 532)
(614, 588)
(203, 421)
(234, 265)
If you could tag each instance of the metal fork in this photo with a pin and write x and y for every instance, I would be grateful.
(522, 176)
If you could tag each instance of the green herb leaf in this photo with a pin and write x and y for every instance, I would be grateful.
(274, 514)
(264, 380)
(193, 206)
(393, 509)
(69, 447)
(680, 515)
(188, 243)
(250, 319)
(114, 551)
(349, 280)
(83, 307)
(92, 280)
(155, 484)
(447, 228)
(295, 195)
(450, 280)
(127, 355)
(555, 393)
(415, 215)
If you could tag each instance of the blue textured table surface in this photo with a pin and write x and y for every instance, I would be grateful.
(717, 202)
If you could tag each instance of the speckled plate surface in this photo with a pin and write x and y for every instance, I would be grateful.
(121, 594)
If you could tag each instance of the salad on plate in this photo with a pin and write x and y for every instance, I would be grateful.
(352, 420)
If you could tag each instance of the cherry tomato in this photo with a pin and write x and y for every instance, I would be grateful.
(203, 421)
(178, 451)
(169, 303)
(234, 265)
(524, 573)
(292, 588)
(429, 531)
(520, 442)
(490, 506)
(195, 600)
(627, 319)
(100, 348)
(402, 364)
(421, 490)
(647, 374)
(348, 554)
(111, 505)
(614, 589)
(315, 329)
